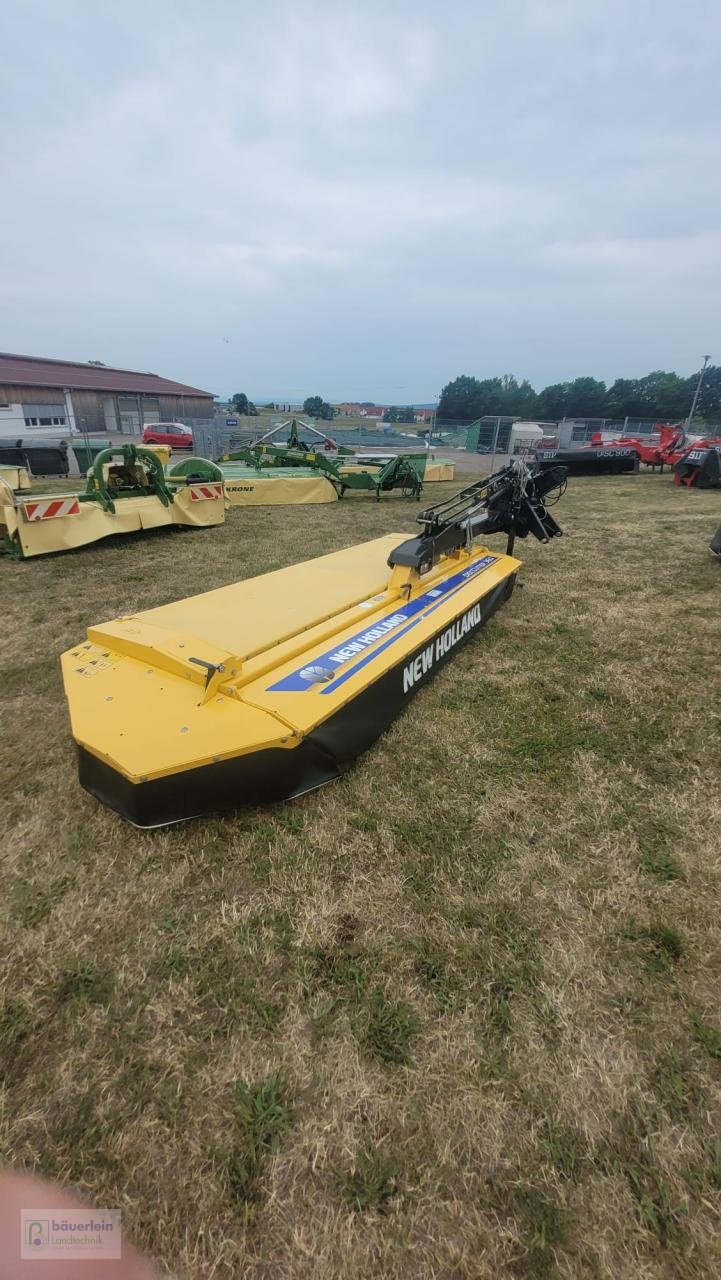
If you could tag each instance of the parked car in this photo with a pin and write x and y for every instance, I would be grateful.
(175, 434)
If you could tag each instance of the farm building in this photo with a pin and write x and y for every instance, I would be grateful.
(63, 395)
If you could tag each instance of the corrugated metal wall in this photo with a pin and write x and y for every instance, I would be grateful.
(88, 410)
(30, 395)
(187, 409)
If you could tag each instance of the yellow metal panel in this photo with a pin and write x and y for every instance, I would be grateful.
(440, 471)
(148, 724)
(249, 617)
(366, 469)
(281, 491)
(162, 451)
(199, 514)
(16, 477)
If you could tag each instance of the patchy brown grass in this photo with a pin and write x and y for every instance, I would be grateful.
(456, 1015)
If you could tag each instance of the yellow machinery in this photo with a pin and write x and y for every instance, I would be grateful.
(161, 451)
(16, 477)
(251, 487)
(440, 471)
(248, 485)
(126, 491)
(265, 689)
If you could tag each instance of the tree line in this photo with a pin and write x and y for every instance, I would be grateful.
(317, 407)
(659, 396)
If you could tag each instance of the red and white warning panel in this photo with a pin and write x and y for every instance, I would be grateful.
(201, 492)
(49, 508)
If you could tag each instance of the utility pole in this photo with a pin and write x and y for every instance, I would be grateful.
(697, 393)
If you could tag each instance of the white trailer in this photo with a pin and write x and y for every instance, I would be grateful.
(525, 435)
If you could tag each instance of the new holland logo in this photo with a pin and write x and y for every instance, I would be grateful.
(316, 674)
(446, 641)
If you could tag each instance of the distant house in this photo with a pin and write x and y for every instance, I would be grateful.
(57, 395)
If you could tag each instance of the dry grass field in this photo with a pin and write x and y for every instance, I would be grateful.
(454, 1016)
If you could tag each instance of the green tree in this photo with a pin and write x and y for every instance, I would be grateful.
(660, 395)
(460, 399)
(709, 402)
(317, 407)
(525, 400)
(624, 399)
(468, 398)
(394, 414)
(666, 395)
(240, 402)
(586, 398)
(553, 401)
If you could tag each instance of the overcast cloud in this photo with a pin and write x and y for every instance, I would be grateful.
(361, 200)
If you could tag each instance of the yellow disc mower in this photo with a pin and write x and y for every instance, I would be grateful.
(126, 491)
(266, 689)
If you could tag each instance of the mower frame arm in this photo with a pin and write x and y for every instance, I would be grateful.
(97, 489)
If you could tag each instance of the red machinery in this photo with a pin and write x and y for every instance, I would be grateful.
(654, 452)
(699, 466)
(694, 462)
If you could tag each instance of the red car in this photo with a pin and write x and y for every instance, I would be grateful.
(175, 434)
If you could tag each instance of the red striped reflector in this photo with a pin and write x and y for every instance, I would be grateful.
(49, 508)
(201, 492)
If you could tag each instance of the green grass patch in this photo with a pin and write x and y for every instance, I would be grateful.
(661, 945)
(34, 900)
(372, 1183)
(564, 1149)
(435, 969)
(707, 1036)
(83, 982)
(15, 1025)
(662, 865)
(659, 1206)
(261, 1116)
(672, 1082)
(544, 1228)
(386, 1027)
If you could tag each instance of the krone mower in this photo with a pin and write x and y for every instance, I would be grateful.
(126, 491)
(265, 689)
(396, 472)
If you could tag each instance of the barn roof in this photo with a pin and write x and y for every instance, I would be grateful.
(32, 371)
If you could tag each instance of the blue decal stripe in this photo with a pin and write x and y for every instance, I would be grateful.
(368, 657)
(434, 597)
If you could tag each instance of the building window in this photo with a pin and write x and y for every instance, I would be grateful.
(44, 415)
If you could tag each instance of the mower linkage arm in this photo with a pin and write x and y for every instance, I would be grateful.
(510, 502)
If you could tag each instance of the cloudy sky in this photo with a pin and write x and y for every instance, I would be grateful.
(361, 200)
